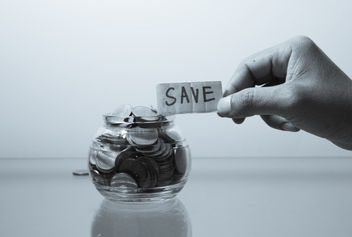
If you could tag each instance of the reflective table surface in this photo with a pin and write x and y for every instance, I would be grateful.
(223, 197)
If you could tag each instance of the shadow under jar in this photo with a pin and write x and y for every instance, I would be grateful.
(136, 159)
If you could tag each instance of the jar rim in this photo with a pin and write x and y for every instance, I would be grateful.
(113, 119)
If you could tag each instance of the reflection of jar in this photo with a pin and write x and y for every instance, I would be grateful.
(167, 218)
(139, 158)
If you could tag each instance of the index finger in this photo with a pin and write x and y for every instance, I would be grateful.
(260, 68)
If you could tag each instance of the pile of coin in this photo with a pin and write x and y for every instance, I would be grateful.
(137, 149)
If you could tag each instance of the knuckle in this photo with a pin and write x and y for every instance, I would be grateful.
(242, 66)
(303, 42)
(245, 63)
(246, 99)
(294, 96)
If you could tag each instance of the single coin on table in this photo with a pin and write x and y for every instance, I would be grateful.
(80, 172)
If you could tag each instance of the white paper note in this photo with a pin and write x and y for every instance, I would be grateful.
(188, 97)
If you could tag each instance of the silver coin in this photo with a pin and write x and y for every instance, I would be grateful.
(122, 111)
(160, 151)
(142, 136)
(168, 150)
(98, 177)
(145, 113)
(152, 149)
(172, 134)
(80, 172)
(92, 157)
(123, 180)
(141, 111)
(118, 148)
(164, 153)
(105, 161)
(116, 139)
(113, 120)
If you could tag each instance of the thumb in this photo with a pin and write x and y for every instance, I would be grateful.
(252, 101)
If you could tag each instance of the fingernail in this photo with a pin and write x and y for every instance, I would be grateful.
(224, 106)
(289, 127)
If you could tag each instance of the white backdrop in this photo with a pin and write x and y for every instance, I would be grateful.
(64, 63)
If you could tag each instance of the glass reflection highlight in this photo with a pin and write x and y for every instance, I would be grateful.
(168, 218)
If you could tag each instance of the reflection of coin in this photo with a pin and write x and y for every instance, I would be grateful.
(105, 161)
(123, 180)
(142, 136)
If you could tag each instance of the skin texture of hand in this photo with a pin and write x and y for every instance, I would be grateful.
(292, 86)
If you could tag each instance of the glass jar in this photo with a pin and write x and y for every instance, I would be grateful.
(139, 158)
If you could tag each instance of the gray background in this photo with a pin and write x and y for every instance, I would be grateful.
(64, 63)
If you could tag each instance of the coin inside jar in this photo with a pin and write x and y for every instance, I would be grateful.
(105, 161)
(181, 155)
(149, 149)
(125, 154)
(119, 115)
(145, 113)
(142, 136)
(123, 180)
(92, 156)
(137, 170)
(122, 111)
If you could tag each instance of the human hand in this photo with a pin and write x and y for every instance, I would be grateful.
(292, 86)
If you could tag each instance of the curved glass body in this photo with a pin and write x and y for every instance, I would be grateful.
(139, 159)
